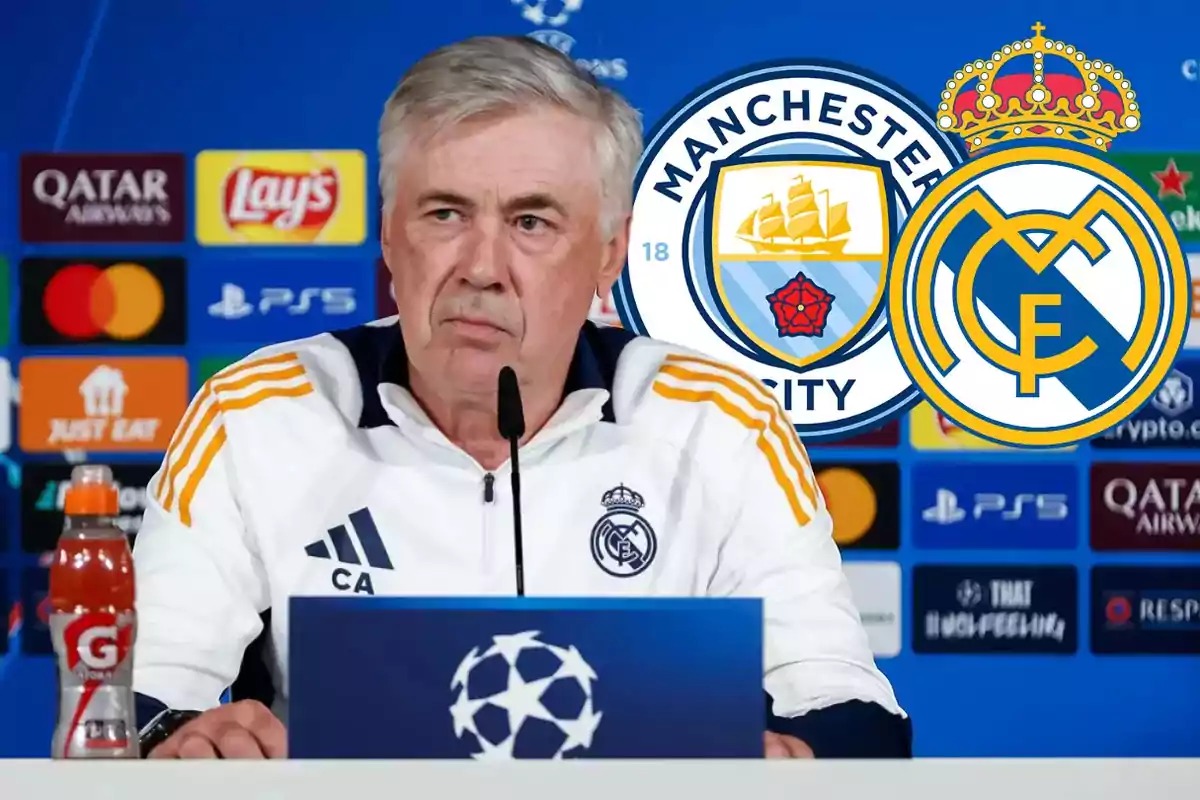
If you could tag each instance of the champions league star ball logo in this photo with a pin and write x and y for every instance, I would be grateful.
(623, 543)
(1038, 295)
(524, 698)
(544, 12)
(765, 213)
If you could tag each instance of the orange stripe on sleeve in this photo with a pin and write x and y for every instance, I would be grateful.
(709, 396)
(218, 440)
(238, 369)
(233, 379)
(266, 393)
(792, 448)
(185, 457)
(193, 482)
(177, 440)
(164, 490)
(229, 384)
(761, 390)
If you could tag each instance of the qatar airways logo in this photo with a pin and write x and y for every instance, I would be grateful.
(89, 197)
(1145, 506)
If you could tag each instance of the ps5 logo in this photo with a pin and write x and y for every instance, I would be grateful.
(1046, 507)
(331, 301)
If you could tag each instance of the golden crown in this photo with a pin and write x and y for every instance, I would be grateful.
(1038, 88)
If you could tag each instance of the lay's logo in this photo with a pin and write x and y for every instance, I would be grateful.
(284, 201)
(930, 429)
(945, 425)
(285, 197)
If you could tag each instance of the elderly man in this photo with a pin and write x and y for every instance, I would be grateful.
(506, 174)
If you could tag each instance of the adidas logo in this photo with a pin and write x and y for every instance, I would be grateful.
(370, 547)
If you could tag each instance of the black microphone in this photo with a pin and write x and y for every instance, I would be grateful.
(510, 419)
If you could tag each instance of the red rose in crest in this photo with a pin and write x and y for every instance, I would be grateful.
(800, 307)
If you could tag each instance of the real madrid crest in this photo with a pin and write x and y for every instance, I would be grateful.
(1038, 295)
(623, 543)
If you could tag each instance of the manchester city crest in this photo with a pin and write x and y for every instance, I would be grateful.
(623, 543)
(766, 211)
(799, 277)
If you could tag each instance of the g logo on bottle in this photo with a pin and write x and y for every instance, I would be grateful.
(96, 641)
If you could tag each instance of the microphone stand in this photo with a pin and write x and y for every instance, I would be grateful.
(510, 420)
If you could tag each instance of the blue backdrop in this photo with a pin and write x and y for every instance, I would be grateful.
(118, 76)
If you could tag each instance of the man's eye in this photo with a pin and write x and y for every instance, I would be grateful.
(528, 222)
(443, 214)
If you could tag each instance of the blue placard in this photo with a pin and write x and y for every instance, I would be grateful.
(1146, 610)
(263, 301)
(995, 506)
(500, 678)
(995, 609)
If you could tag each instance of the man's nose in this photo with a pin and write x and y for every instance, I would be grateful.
(487, 266)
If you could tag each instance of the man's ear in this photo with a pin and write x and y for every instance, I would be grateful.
(617, 250)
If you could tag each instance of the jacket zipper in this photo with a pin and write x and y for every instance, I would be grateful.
(485, 544)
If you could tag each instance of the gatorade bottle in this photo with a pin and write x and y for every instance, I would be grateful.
(93, 623)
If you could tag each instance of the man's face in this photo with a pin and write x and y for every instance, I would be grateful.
(495, 246)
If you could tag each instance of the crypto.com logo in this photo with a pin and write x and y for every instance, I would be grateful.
(1176, 394)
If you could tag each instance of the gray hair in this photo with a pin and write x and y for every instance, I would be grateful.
(494, 73)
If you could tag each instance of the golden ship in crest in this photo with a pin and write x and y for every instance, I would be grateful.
(798, 228)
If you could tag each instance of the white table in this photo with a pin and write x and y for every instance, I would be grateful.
(926, 779)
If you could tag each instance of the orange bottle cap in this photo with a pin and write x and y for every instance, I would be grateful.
(91, 492)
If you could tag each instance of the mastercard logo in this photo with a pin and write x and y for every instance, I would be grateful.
(123, 301)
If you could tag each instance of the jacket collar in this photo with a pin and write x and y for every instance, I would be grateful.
(592, 369)
(378, 353)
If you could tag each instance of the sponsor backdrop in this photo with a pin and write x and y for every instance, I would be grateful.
(166, 211)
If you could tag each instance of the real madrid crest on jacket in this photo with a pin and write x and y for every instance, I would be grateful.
(623, 543)
(663, 473)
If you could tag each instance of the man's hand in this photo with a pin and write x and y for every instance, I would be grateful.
(245, 729)
(778, 745)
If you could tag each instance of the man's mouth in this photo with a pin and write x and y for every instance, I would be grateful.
(477, 325)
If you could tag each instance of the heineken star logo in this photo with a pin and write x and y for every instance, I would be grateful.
(1170, 176)
(1171, 181)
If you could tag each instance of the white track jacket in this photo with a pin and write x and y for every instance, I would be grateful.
(308, 468)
